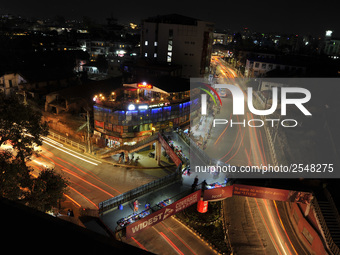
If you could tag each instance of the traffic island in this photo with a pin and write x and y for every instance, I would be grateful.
(208, 226)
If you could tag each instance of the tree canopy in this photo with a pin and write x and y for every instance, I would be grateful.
(21, 127)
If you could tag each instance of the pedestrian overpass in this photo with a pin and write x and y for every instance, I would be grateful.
(132, 148)
(304, 203)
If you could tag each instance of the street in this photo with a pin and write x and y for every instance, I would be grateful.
(236, 144)
(170, 237)
(90, 180)
(255, 225)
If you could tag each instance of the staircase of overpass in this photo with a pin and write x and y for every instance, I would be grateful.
(132, 148)
(329, 219)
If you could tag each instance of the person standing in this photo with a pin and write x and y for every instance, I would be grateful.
(135, 206)
(196, 180)
(193, 186)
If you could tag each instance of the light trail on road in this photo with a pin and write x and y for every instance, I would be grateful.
(72, 154)
(138, 243)
(171, 243)
(83, 196)
(74, 201)
(67, 170)
(67, 196)
(88, 174)
(70, 150)
(266, 210)
(179, 238)
(223, 131)
(81, 182)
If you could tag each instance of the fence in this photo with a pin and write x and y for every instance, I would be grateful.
(134, 193)
(67, 141)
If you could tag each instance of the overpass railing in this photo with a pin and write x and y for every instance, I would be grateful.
(141, 190)
(332, 247)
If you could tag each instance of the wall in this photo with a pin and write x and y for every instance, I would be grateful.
(187, 45)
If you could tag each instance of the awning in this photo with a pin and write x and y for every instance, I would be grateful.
(154, 88)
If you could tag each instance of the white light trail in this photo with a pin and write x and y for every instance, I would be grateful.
(72, 154)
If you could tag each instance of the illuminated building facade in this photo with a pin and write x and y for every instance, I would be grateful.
(135, 111)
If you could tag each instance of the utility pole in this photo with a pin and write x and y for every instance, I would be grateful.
(88, 132)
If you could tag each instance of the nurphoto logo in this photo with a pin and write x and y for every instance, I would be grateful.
(238, 104)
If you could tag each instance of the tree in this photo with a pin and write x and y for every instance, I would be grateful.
(46, 191)
(15, 178)
(21, 126)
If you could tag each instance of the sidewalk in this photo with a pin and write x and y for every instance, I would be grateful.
(144, 160)
(201, 131)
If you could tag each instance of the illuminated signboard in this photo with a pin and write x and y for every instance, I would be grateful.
(143, 107)
(144, 85)
(131, 107)
(156, 105)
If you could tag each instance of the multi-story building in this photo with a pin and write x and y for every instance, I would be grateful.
(104, 48)
(332, 45)
(135, 111)
(258, 67)
(179, 40)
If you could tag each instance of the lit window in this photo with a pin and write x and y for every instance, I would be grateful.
(146, 43)
(155, 44)
(155, 55)
(146, 54)
(169, 57)
(170, 47)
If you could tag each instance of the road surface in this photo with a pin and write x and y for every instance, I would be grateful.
(90, 180)
(170, 237)
(255, 226)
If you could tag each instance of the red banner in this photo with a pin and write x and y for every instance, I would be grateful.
(169, 151)
(162, 214)
(258, 192)
(218, 193)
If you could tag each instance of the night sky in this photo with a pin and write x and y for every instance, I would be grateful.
(290, 16)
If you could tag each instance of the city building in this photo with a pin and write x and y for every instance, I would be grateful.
(9, 83)
(180, 40)
(135, 111)
(222, 38)
(104, 48)
(332, 45)
(259, 67)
